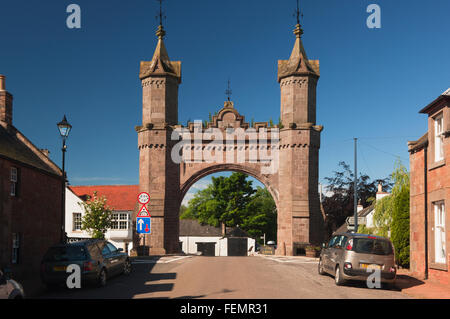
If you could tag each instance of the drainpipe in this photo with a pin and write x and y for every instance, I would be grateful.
(425, 167)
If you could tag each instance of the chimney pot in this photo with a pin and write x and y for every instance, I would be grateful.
(2, 82)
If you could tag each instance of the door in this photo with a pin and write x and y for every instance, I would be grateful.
(207, 249)
(106, 255)
(115, 259)
(237, 246)
(328, 254)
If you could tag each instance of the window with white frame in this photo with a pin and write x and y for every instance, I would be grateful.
(120, 221)
(76, 221)
(439, 232)
(13, 179)
(438, 138)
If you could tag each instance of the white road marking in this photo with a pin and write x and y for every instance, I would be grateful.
(291, 260)
(163, 260)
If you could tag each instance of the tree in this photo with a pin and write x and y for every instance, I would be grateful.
(233, 201)
(261, 216)
(97, 217)
(224, 200)
(340, 204)
(391, 215)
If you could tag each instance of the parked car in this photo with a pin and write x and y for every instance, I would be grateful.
(10, 289)
(98, 260)
(350, 256)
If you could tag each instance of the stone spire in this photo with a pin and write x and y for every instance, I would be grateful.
(160, 63)
(298, 63)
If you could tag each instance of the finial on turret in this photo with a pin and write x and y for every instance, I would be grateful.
(160, 33)
(298, 28)
(228, 91)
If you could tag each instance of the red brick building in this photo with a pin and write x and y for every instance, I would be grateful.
(30, 197)
(430, 194)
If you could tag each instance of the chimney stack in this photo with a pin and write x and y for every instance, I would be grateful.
(46, 152)
(359, 207)
(5, 103)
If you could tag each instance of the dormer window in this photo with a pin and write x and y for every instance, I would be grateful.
(438, 138)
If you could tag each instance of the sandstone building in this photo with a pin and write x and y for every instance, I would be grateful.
(430, 194)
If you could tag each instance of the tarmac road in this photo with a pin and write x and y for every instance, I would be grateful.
(225, 278)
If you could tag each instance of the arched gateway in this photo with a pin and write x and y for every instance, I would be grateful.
(286, 161)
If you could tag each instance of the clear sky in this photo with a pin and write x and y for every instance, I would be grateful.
(373, 81)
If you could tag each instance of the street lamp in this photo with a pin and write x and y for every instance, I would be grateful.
(64, 129)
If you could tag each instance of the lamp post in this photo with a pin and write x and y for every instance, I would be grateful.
(64, 129)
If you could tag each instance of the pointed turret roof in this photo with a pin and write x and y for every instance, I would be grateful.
(298, 63)
(160, 63)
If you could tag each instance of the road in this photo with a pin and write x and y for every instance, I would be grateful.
(256, 277)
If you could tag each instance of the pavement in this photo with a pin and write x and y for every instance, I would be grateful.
(422, 289)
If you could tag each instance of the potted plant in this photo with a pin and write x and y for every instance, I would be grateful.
(312, 251)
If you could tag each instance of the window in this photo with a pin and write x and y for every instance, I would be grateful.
(76, 218)
(15, 248)
(120, 221)
(438, 138)
(111, 247)
(439, 233)
(105, 251)
(14, 180)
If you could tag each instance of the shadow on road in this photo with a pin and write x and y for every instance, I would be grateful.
(141, 283)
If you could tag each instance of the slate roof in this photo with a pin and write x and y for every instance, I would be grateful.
(444, 96)
(190, 227)
(15, 146)
(118, 197)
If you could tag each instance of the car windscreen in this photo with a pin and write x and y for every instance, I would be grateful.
(68, 253)
(372, 246)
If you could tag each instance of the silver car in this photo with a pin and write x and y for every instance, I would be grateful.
(352, 256)
(10, 289)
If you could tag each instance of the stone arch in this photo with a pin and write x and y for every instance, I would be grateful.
(200, 173)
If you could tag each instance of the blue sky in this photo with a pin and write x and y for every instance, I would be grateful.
(372, 85)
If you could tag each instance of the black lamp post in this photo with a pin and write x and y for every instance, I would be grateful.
(64, 129)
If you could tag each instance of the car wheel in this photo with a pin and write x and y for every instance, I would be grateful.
(127, 267)
(102, 278)
(320, 267)
(338, 277)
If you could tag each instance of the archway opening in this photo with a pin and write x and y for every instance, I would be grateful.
(227, 213)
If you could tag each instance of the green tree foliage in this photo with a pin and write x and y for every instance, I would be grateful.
(261, 216)
(392, 214)
(339, 205)
(233, 201)
(97, 217)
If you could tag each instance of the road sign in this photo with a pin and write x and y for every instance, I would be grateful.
(143, 212)
(143, 198)
(143, 225)
(351, 220)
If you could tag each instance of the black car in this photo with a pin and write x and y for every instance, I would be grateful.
(98, 260)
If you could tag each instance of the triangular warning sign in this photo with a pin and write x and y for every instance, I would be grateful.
(143, 212)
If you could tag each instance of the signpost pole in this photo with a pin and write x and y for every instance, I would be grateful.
(355, 187)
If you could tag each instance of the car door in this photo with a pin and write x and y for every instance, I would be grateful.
(334, 251)
(106, 255)
(340, 249)
(116, 258)
(327, 254)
